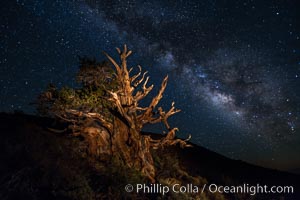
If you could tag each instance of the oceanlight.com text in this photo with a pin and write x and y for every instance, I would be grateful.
(212, 188)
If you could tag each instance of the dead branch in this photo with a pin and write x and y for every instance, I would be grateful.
(96, 116)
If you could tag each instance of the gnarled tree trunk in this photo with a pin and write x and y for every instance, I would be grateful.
(127, 140)
(133, 148)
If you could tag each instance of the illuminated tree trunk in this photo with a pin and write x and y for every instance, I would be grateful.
(132, 148)
(127, 141)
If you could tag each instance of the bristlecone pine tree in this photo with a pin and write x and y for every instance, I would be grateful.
(106, 112)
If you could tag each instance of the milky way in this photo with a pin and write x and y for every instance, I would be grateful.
(234, 66)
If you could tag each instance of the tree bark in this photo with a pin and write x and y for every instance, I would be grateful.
(132, 148)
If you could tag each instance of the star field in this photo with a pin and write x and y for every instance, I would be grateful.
(234, 66)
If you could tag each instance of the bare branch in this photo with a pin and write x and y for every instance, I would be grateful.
(141, 80)
(66, 119)
(128, 53)
(96, 116)
(170, 140)
(119, 73)
(130, 69)
(125, 48)
(148, 113)
(119, 51)
(165, 115)
(133, 78)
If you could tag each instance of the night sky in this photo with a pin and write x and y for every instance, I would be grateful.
(233, 66)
